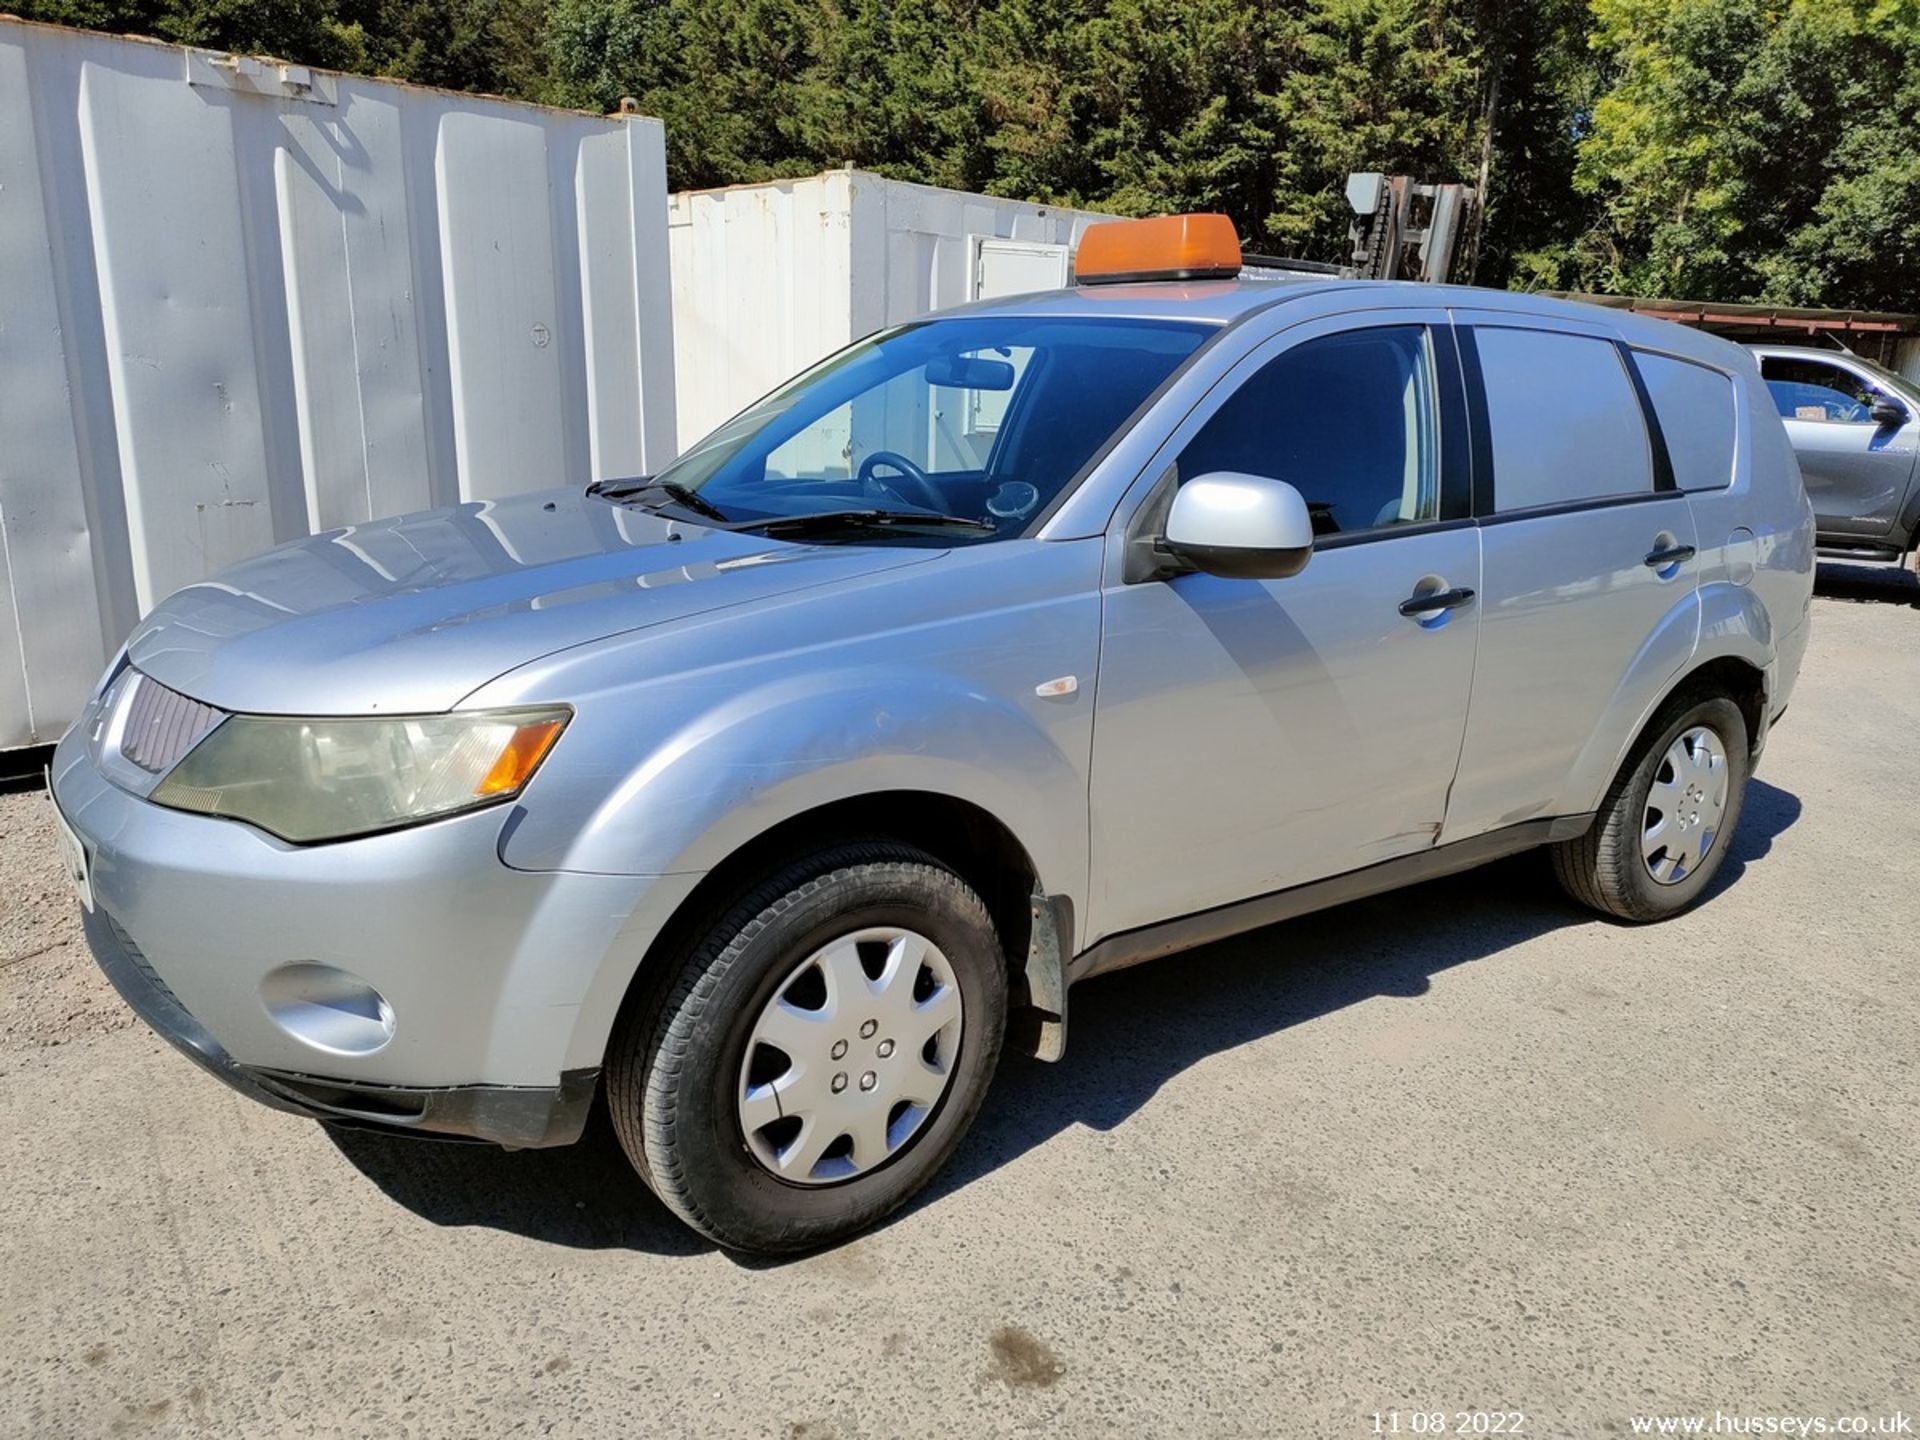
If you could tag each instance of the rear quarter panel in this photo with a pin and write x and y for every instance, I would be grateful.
(1756, 554)
(1757, 545)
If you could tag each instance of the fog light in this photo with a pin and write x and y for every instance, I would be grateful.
(329, 1009)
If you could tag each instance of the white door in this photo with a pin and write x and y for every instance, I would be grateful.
(1008, 267)
(1017, 267)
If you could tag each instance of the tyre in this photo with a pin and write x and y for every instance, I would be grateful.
(820, 1054)
(1663, 829)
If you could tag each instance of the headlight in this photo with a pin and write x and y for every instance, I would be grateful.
(326, 779)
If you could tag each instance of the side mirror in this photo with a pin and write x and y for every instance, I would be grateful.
(1888, 411)
(1244, 527)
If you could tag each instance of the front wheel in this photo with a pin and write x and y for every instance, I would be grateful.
(823, 1051)
(1662, 831)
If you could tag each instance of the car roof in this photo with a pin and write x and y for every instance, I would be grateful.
(1811, 352)
(1212, 301)
(1221, 302)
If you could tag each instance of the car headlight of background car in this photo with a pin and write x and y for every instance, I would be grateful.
(327, 779)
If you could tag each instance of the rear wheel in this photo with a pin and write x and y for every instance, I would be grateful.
(1662, 832)
(822, 1052)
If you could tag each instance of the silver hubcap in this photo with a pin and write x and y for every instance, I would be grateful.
(1685, 806)
(850, 1056)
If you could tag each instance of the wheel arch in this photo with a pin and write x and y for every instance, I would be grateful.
(1592, 868)
(1724, 634)
(1035, 929)
(1735, 676)
(1907, 526)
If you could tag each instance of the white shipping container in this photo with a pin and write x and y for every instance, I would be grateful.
(241, 301)
(769, 278)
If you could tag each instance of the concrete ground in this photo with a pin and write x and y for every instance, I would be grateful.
(1464, 1148)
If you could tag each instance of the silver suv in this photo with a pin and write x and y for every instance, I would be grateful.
(1856, 429)
(769, 795)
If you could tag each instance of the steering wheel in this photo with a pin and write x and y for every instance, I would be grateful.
(925, 492)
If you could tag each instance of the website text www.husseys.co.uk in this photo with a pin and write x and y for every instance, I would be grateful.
(1721, 1423)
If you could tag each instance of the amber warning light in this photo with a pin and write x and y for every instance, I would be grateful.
(1167, 247)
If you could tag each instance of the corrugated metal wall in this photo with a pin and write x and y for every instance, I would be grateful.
(1906, 359)
(240, 302)
(769, 278)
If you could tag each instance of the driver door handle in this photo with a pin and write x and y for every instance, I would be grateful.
(1437, 600)
(1668, 555)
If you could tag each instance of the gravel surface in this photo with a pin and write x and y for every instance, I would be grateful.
(50, 992)
(1464, 1148)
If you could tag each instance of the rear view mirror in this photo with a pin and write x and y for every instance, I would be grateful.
(1888, 411)
(970, 372)
(1244, 527)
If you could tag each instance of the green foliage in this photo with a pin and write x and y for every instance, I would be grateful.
(491, 45)
(1368, 85)
(1539, 80)
(1720, 149)
(1755, 149)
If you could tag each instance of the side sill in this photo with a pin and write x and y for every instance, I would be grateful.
(1857, 547)
(1150, 942)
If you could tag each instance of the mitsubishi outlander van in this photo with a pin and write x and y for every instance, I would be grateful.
(769, 796)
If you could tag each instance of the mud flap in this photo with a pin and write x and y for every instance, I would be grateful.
(1040, 1027)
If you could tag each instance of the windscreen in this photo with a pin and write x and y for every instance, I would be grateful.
(984, 417)
(1897, 385)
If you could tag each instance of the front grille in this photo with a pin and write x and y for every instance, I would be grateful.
(162, 725)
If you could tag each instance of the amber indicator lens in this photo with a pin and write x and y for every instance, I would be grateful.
(521, 756)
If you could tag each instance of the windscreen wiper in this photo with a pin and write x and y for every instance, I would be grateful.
(684, 495)
(864, 520)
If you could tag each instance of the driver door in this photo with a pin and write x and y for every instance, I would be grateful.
(1856, 469)
(1254, 735)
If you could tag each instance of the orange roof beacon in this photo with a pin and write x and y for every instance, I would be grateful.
(1167, 247)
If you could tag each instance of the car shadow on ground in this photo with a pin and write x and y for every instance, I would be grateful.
(1131, 1033)
(1885, 584)
(584, 1196)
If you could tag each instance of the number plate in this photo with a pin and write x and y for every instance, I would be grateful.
(73, 851)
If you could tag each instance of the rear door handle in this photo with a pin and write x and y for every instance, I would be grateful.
(1668, 555)
(1439, 600)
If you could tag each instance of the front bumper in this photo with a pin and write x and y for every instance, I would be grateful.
(502, 984)
(520, 1116)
